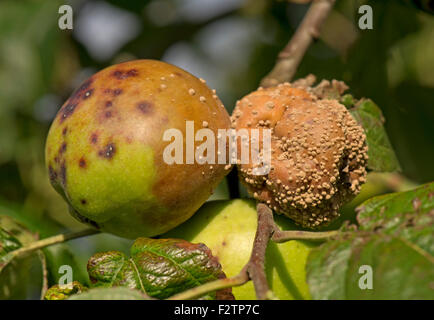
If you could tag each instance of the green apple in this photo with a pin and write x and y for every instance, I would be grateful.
(105, 151)
(228, 228)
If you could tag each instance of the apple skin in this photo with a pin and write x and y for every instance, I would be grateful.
(228, 228)
(105, 149)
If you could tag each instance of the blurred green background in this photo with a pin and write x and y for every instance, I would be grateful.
(230, 43)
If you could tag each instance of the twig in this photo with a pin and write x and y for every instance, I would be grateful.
(53, 240)
(283, 236)
(199, 291)
(44, 273)
(291, 56)
(253, 270)
(255, 267)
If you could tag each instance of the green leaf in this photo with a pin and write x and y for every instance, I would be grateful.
(395, 239)
(118, 293)
(63, 292)
(408, 214)
(158, 267)
(381, 155)
(15, 280)
(59, 255)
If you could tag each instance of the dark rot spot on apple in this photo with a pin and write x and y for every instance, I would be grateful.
(179, 74)
(85, 85)
(108, 151)
(117, 74)
(113, 92)
(108, 104)
(84, 219)
(93, 138)
(67, 111)
(56, 159)
(64, 131)
(63, 173)
(83, 201)
(145, 107)
(108, 114)
(83, 92)
(52, 174)
(120, 74)
(88, 93)
(82, 163)
(62, 148)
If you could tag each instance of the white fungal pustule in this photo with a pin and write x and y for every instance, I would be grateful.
(319, 153)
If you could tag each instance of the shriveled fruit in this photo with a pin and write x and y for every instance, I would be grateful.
(318, 153)
(104, 151)
(228, 228)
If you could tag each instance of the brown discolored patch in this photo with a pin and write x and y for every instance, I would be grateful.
(145, 107)
(108, 114)
(416, 204)
(64, 131)
(63, 173)
(82, 163)
(93, 138)
(85, 85)
(84, 219)
(52, 174)
(113, 92)
(67, 111)
(108, 104)
(83, 92)
(83, 201)
(120, 74)
(87, 94)
(62, 148)
(108, 151)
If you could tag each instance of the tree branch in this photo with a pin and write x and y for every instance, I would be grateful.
(283, 236)
(53, 240)
(291, 56)
(256, 266)
(219, 284)
(253, 270)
